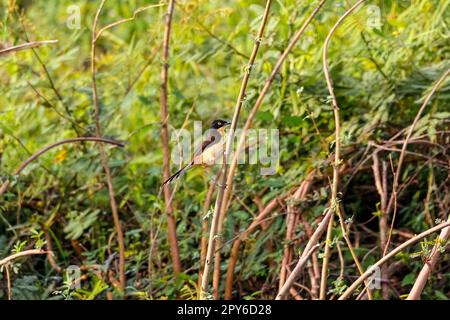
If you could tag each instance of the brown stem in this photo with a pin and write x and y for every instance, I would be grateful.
(350, 247)
(391, 254)
(424, 274)
(392, 200)
(171, 223)
(291, 224)
(50, 256)
(337, 160)
(240, 146)
(204, 239)
(39, 153)
(103, 156)
(237, 243)
(21, 254)
(8, 283)
(214, 229)
(381, 186)
(309, 249)
(313, 270)
(27, 45)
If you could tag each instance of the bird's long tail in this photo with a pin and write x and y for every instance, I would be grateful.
(176, 175)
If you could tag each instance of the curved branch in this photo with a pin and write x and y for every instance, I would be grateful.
(306, 252)
(21, 254)
(56, 144)
(391, 254)
(27, 45)
(233, 165)
(403, 152)
(215, 221)
(334, 189)
(422, 278)
(39, 153)
(135, 13)
(271, 206)
(164, 118)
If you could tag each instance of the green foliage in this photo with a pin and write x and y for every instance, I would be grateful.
(381, 76)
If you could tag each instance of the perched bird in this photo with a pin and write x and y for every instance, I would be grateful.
(209, 153)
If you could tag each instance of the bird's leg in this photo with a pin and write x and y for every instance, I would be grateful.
(224, 186)
(216, 179)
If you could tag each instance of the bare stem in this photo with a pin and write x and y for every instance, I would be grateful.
(229, 145)
(28, 45)
(21, 254)
(392, 199)
(306, 252)
(39, 153)
(337, 160)
(424, 274)
(171, 223)
(391, 254)
(104, 158)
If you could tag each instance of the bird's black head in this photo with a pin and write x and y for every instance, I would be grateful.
(217, 124)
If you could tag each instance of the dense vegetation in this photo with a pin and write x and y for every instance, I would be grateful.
(384, 59)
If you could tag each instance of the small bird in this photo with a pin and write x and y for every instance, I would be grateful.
(210, 151)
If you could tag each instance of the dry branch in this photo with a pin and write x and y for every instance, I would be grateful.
(291, 225)
(135, 13)
(103, 156)
(391, 254)
(271, 206)
(337, 160)
(229, 145)
(171, 223)
(27, 45)
(21, 254)
(39, 153)
(424, 274)
(240, 146)
(393, 198)
(313, 241)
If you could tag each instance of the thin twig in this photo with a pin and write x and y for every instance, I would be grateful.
(403, 151)
(48, 75)
(214, 36)
(229, 145)
(269, 208)
(103, 156)
(313, 241)
(337, 160)
(163, 103)
(116, 23)
(39, 153)
(204, 238)
(381, 186)
(391, 254)
(291, 224)
(28, 45)
(21, 254)
(428, 266)
(240, 146)
(8, 283)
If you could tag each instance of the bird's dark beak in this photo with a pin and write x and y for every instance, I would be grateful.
(227, 123)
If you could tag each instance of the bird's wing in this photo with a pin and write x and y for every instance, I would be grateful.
(212, 139)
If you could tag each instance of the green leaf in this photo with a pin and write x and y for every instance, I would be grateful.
(409, 279)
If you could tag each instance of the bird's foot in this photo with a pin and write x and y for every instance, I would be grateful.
(220, 185)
